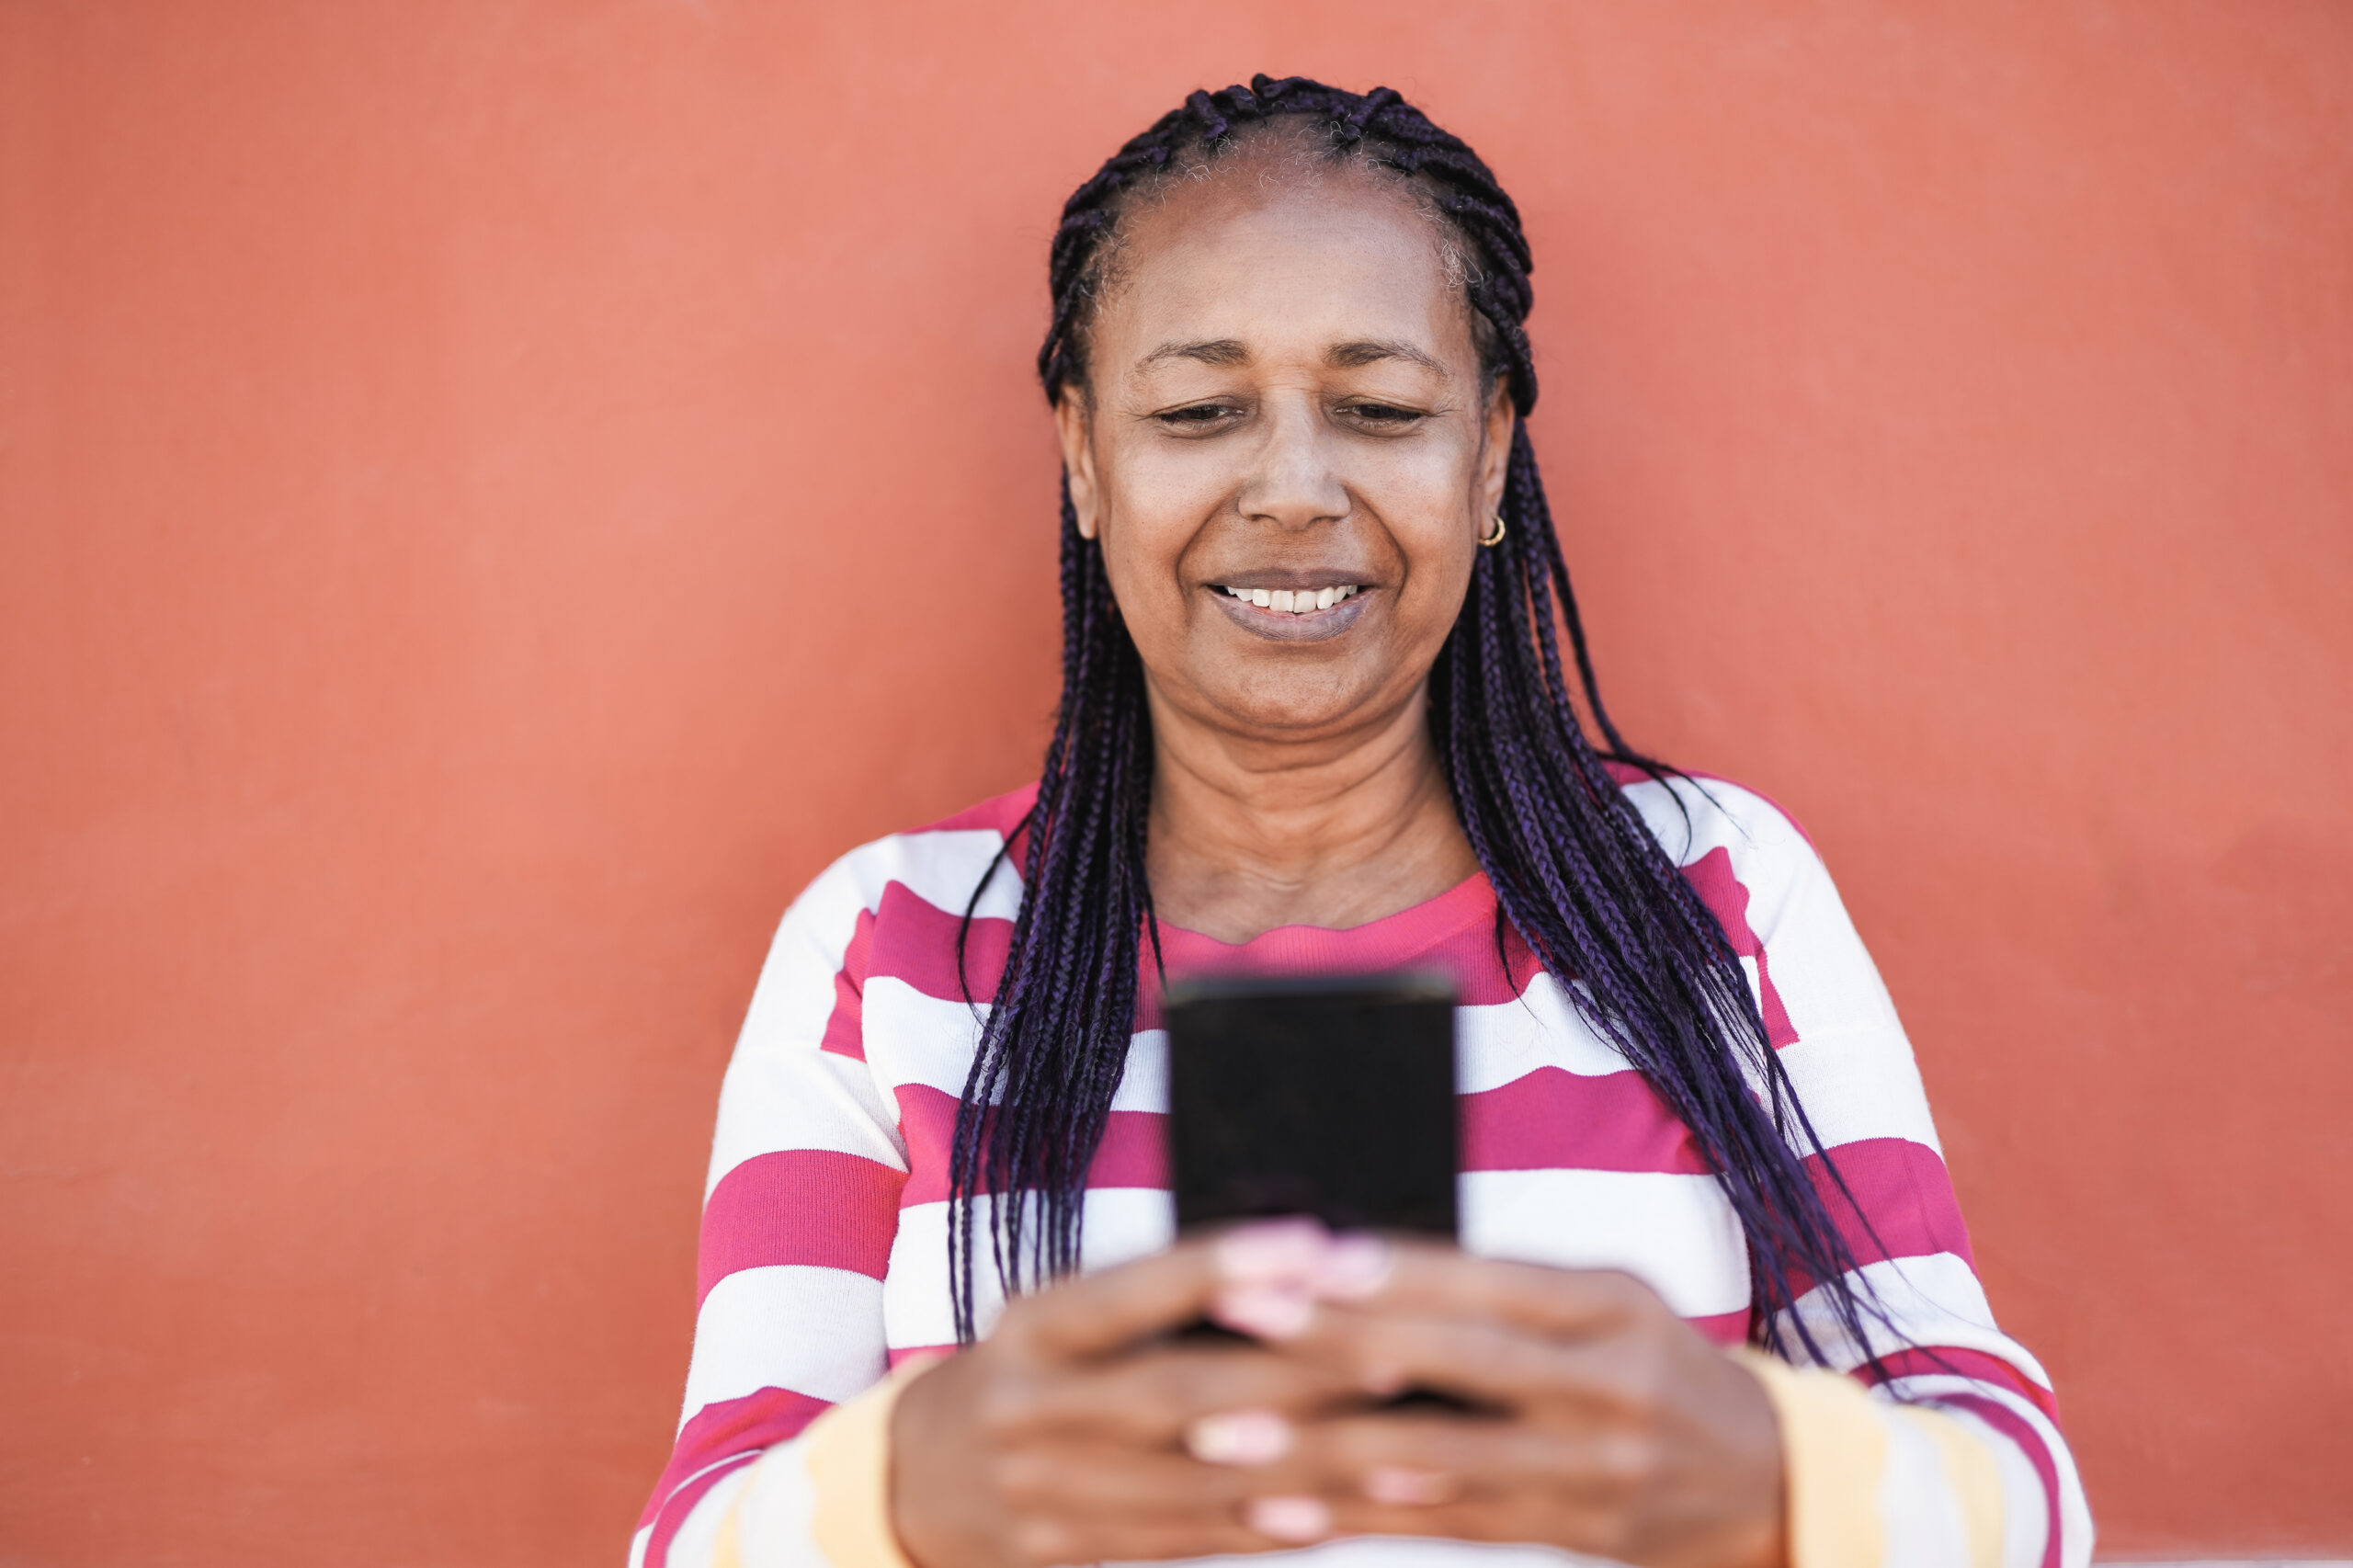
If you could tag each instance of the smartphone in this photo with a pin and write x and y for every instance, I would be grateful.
(1330, 1096)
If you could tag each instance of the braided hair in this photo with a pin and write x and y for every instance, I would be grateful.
(1576, 872)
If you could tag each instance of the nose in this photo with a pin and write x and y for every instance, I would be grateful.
(1291, 481)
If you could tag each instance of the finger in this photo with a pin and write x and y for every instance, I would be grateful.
(1526, 1517)
(1292, 1518)
(1074, 1502)
(1436, 1456)
(1649, 1365)
(1084, 1481)
(1463, 1477)
(1303, 1520)
(1275, 1272)
(1059, 1541)
(1488, 1363)
(1150, 1397)
(1437, 1460)
(1095, 1314)
(1240, 1437)
(1568, 1303)
(1405, 1486)
(1453, 1521)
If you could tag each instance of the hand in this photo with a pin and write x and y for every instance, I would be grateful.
(1602, 1424)
(1061, 1437)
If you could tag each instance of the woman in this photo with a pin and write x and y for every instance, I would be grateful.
(1314, 718)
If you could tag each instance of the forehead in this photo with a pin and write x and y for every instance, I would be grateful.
(1278, 255)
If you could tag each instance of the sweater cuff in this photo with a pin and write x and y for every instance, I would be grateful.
(1833, 1453)
(848, 1454)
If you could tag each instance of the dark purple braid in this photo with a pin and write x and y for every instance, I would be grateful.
(1576, 872)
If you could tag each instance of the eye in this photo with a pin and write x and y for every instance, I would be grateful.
(1198, 416)
(1387, 415)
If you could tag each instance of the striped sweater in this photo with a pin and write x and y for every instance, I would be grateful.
(824, 1247)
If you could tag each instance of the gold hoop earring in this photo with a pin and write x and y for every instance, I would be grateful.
(1497, 537)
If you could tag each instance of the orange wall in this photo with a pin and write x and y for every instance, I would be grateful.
(498, 492)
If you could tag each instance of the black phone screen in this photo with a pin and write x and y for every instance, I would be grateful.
(1331, 1096)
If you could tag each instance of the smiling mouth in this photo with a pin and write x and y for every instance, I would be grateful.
(1293, 601)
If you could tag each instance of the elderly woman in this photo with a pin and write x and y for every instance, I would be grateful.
(1713, 1303)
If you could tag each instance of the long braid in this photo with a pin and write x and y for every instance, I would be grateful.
(1040, 1085)
(1576, 872)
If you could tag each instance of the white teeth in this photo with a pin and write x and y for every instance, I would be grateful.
(1294, 601)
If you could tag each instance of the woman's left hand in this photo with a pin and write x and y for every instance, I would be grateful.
(1603, 1422)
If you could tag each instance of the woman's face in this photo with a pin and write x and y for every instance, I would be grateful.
(1286, 405)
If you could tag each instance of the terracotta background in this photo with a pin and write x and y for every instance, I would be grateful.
(498, 492)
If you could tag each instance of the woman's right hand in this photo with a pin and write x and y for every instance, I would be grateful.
(1064, 1437)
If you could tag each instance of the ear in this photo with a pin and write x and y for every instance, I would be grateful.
(1074, 426)
(1494, 451)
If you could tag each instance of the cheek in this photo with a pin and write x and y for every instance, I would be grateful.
(1148, 522)
(1155, 508)
(1431, 605)
(1427, 515)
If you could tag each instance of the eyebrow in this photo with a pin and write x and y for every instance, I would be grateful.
(1229, 351)
(1365, 351)
(1217, 351)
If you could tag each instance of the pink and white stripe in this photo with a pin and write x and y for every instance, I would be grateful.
(823, 1257)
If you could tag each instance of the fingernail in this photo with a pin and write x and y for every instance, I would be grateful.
(1239, 1436)
(1267, 1250)
(1407, 1488)
(1263, 1312)
(1354, 1266)
(1300, 1519)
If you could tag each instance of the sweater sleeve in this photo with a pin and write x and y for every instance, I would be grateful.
(823, 1498)
(1951, 1451)
(799, 1212)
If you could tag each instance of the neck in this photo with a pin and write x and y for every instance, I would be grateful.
(1248, 833)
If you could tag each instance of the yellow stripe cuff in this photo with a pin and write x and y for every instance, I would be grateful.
(848, 1456)
(1834, 1455)
(1970, 1471)
(845, 1454)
